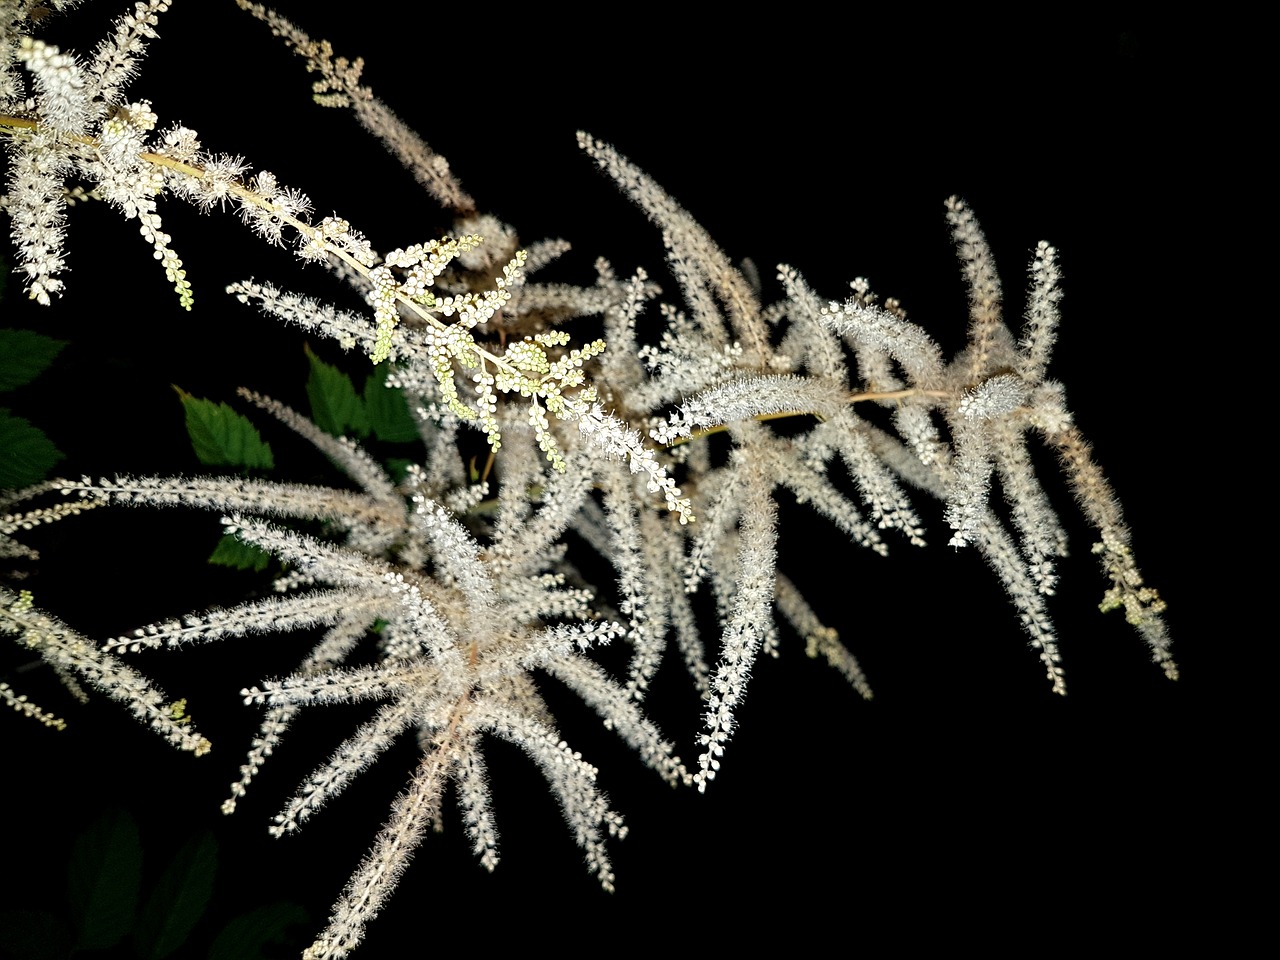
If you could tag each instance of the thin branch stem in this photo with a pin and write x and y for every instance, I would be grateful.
(869, 396)
(247, 196)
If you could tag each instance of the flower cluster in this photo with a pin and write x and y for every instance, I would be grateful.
(442, 593)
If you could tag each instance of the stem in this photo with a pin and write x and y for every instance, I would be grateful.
(245, 195)
(871, 395)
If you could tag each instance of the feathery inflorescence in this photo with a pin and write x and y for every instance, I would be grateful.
(461, 589)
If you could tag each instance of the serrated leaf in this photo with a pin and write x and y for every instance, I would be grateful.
(235, 553)
(388, 412)
(222, 437)
(24, 355)
(336, 408)
(103, 879)
(245, 937)
(179, 900)
(26, 454)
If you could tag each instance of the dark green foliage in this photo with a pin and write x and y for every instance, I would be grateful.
(397, 467)
(239, 555)
(178, 900)
(110, 913)
(245, 937)
(26, 453)
(389, 416)
(104, 878)
(338, 409)
(24, 355)
(34, 935)
(223, 438)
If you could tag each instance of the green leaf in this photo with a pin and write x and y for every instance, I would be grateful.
(34, 935)
(103, 879)
(388, 412)
(238, 555)
(223, 438)
(245, 937)
(336, 408)
(179, 900)
(24, 354)
(26, 454)
(398, 467)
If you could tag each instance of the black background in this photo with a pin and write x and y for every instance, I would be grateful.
(966, 793)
